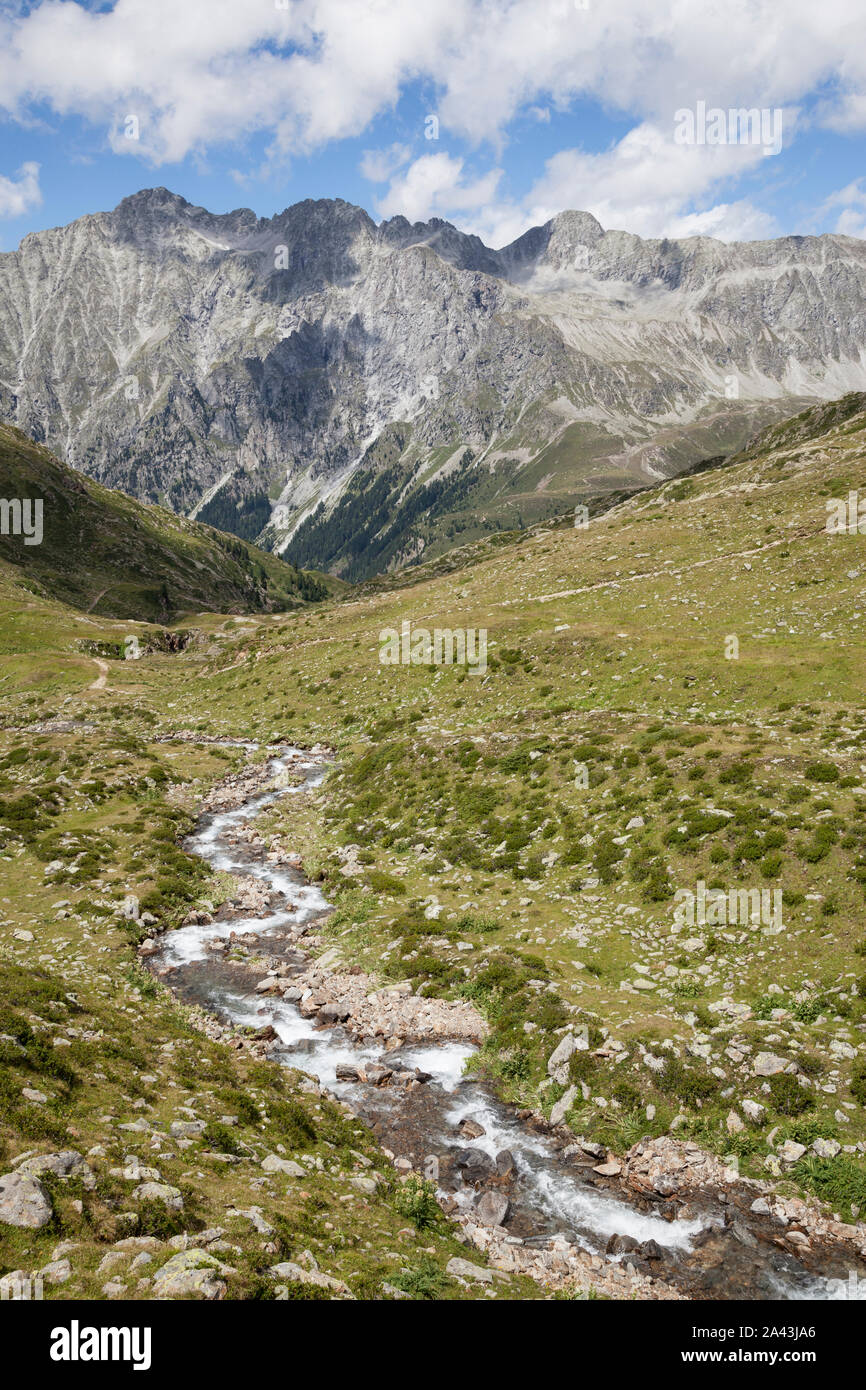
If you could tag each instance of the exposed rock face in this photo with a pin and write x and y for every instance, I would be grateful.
(220, 363)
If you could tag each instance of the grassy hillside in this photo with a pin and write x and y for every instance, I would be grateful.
(106, 553)
(405, 505)
(741, 764)
(95, 1056)
(490, 867)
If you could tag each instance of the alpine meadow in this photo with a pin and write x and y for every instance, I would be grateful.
(433, 723)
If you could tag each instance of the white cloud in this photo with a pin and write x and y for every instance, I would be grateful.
(20, 194)
(852, 200)
(202, 73)
(737, 221)
(206, 71)
(641, 184)
(379, 165)
(433, 186)
(852, 222)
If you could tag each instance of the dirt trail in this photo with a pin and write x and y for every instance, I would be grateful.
(102, 679)
(667, 572)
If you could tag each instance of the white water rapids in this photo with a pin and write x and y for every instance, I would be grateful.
(562, 1201)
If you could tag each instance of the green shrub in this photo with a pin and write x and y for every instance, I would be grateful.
(426, 1280)
(838, 1181)
(221, 1138)
(690, 1086)
(821, 772)
(416, 1201)
(788, 1097)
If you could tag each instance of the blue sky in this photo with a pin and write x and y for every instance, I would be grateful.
(540, 105)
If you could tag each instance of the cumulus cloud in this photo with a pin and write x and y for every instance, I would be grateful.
(435, 185)
(641, 184)
(379, 165)
(210, 70)
(851, 220)
(205, 73)
(19, 194)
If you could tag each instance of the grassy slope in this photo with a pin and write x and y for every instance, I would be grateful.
(104, 552)
(109, 803)
(398, 506)
(609, 650)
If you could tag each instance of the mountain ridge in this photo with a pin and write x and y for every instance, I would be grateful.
(105, 553)
(259, 373)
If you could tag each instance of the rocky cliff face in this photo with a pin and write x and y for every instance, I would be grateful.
(362, 395)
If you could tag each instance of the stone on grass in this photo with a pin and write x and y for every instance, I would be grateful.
(791, 1152)
(23, 1201)
(557, 1062)
(562, 1106)
(826, 1148)
(296, 1273)
(463, 1269)
(274, 1164)
(768, 1064)
(159, 1192)
(753, 1110)
(190, 1273)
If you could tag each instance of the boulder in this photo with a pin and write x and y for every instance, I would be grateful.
(190, 1274)
(826, 1148)
(186, 1129)
(377, 1075)
(650, 1250)
(491, 1209)
(474, 1165)
(334, 1013)
(159, 1192)
(621, 1245)
(563, 1105)
(471, 1129)
(608, 1170)
(368, 1186)
(463, 1269)
(287, 1269)
(791, 1152)
(68, 1163)
(23, 1201)
(506, 1167)
(754, 1111)
(557, 1062)
(768, 1064)
(274, 1164)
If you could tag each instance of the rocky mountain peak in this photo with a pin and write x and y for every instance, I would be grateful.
(361, 392)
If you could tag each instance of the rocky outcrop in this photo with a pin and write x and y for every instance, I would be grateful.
(392, 1012)
(666, 1167)
(221, 362)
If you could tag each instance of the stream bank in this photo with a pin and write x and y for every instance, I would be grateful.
(667, 1220)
